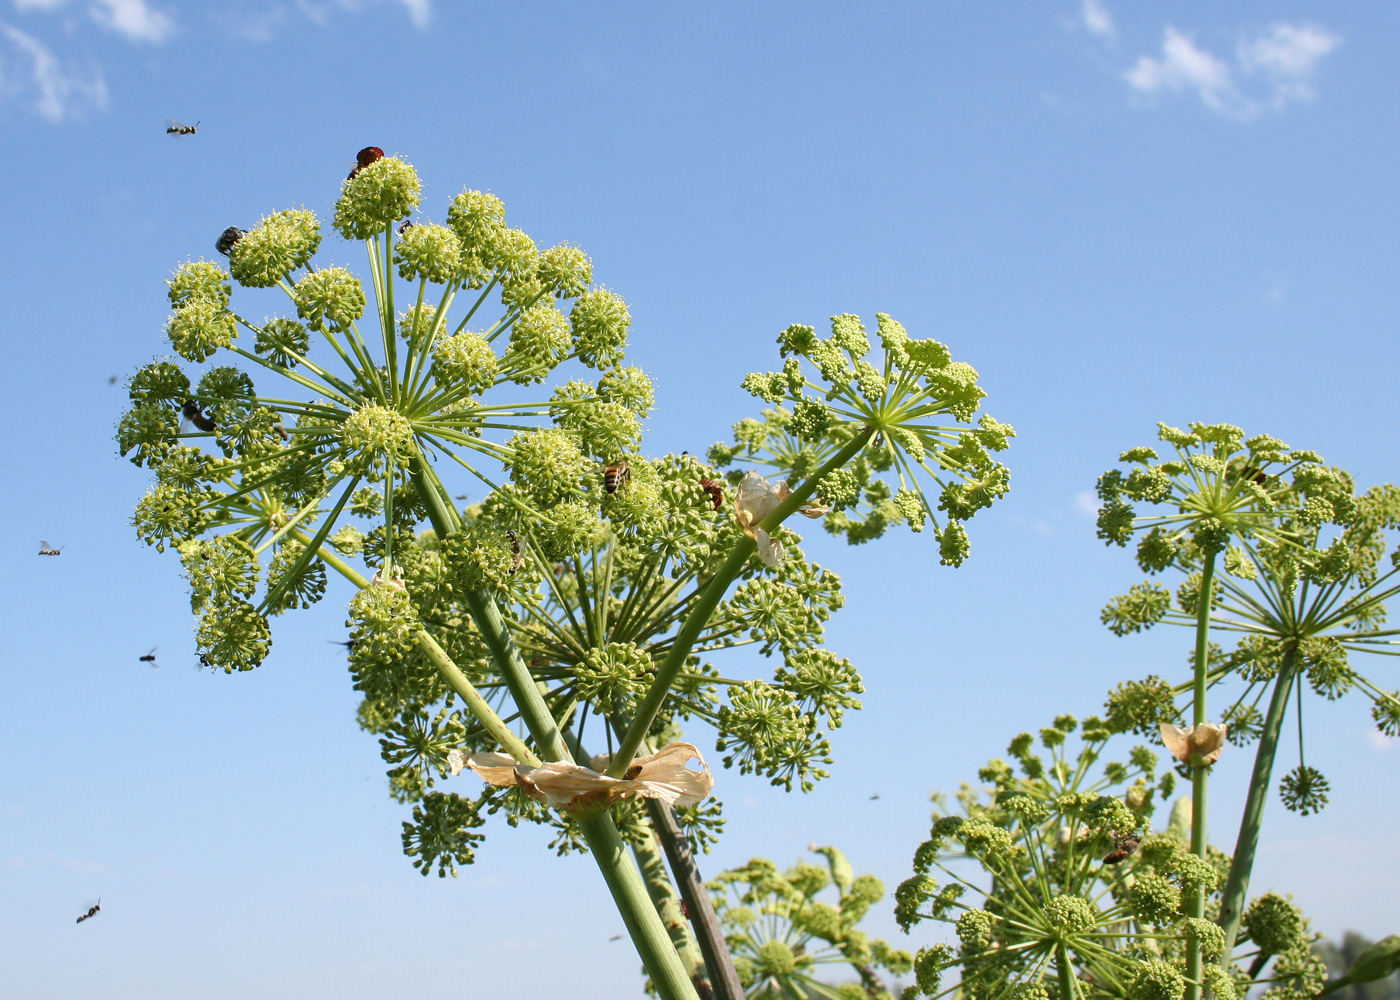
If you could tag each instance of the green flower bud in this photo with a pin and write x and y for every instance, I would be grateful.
(796, 339)
(575, 528)
(911, 508)
(1386, 712)
(199, 281)
(199, 328)
(1274, 924)
(1210, 936)
(383, 626)
(232, 635)
(376, 197)
(1153, 899)
(768, 386)
(1156, 551)
(775, 958)
(348, 541)
(1175, 436)
(840, 489)
(926, 356)
(331, 296)
(628, 386)
(1157, 980)
(441, 833)
(1143, 606)
(1192, 872)
(565, 271)
(159, 382)
(911, 894)
(975, 930)
(168, 513)
(300, 591)
(278, 245)
(277, 337)
(376, 435)
(599, 321)
(1028, 991)
(465, 361)
(953, 544)
(1072, 914)
(1219, 982)
(870, 381)
(539, 341)
(848, 333)
(929, 965)
(428, 251)
(893, 337)
(615, 677)
(547, 463)
(810, 419)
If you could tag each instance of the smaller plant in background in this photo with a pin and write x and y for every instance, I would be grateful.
(781, 934)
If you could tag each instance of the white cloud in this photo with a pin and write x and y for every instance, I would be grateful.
(1098, 21)
(133, 19)
(24, 5)
(420, 12)
(1274, 69)
(56, 91)
(1286, 56)
(1379, 740)
(1087, 503)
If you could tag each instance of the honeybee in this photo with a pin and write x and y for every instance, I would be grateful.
(177, 129)
(616, 476)
(282, 433)
(715, 490)
(1124, 844)
(196, 416)
(515, 551)
(151, 657)
(364, 158)
(406, 225)
(45, 549)
(92, 911)
(228, 238)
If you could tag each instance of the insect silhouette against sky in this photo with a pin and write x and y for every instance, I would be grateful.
(151, 657)
(92, 910)
(45, 549)
(177, 129)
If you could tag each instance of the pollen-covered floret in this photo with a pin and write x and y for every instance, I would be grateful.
(330, 297)
(199, 328)
(428, 251)
(599, 321)
(565, 271)
(465, 361)
(478, 219)
(539, 341)
(628, 386)
(547, 463)
(376, 435)
(274, 248)
(199, 281)
(376, 197)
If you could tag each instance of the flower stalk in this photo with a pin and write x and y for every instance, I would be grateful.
(1196, 903)
(670, 669)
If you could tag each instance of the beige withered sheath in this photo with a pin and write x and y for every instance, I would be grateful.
(754, 500)
(1204, 742)
(662, 775)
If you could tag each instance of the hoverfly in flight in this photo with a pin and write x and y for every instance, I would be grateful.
(151, 657)
(177, 129)
(92, 910)
(45, 549)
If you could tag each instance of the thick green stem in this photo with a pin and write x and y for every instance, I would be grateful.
(1237, 885)
(668, 906)
(1064, 969)
(1196, 904)
(705, 604)
(724, 979)
(644, 926)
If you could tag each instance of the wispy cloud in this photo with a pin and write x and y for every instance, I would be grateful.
(31, 74)
(420, 12)
(1098, 21)
(1087, 503)
(1270, 71)
(133, 19)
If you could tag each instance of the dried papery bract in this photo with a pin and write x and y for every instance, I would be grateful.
(663, 775)
(756, 498)
(1198, 745)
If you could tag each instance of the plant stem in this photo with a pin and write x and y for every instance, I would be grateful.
(668, 906)
(1196, 905)
(644, 926)
(1065, 970)
(709, 599)
(724, 980)
(1237, 885)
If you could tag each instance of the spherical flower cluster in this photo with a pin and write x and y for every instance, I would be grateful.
(283, 342)
(1157, 980)
(547, 463)
(274, 248)
(466, 362)
(377, 436)
(478, 219)
(600, 321)
(615, 676)
(539, 341)
(629, 387)
(201, 322)
(432, 253)
(376, 197)
(565, 271)
(331, 297)
(232, 635)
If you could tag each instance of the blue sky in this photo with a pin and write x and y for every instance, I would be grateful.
(1118, 213)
